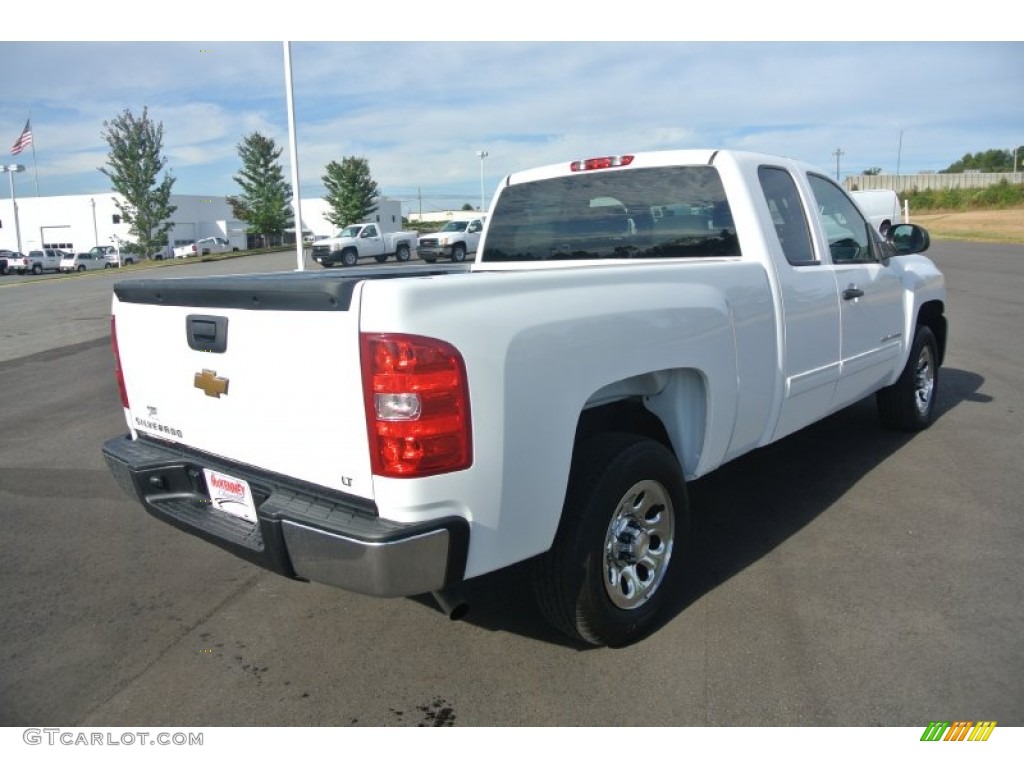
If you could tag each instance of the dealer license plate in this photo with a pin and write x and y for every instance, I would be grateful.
(230, 495)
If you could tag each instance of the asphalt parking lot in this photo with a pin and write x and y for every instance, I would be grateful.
(845, 576)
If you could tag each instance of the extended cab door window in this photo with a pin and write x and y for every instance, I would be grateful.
(788, 215)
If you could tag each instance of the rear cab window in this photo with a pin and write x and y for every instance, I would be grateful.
(634, 213)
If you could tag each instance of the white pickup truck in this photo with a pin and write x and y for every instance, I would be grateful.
(630, 323)
(453, 241)
(45, 260)
(363, 241)
(204, 247)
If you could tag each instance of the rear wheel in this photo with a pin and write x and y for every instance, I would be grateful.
(616, 559)
(403, 253)
(909, 404)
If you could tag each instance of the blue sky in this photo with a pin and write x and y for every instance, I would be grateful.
(419, 111)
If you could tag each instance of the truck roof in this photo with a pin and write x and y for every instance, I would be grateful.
(653, 159)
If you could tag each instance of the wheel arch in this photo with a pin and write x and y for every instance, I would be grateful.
(669, 407)
(933, 315)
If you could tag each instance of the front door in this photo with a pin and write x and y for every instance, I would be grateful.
(870, 293)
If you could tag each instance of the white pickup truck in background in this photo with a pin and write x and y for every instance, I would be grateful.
(880, 206)
(204, 247)
(453, 241)
(45, 260)
(363, 241)
(630, 323)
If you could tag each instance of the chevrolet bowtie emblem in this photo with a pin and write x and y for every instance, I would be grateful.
(211, 383)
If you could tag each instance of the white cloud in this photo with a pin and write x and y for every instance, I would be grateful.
(419, 111)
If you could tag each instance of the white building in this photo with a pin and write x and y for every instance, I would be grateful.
(76, 223)
(314, 216)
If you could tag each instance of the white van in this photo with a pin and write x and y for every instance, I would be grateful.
(881, 206)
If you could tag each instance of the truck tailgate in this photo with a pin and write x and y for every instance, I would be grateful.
(262, 370)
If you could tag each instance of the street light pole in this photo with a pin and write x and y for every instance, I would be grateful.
(95, 232)
(11, 170)
(481, 153)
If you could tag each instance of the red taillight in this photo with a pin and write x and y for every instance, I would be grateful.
(597, 163)
(117, 362)
(417, 405)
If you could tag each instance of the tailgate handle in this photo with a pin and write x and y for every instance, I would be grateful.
(207, 333)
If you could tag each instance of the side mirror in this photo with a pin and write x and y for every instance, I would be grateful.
(908, 238)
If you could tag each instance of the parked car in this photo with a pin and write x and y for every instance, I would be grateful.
(630, 322)
(203, 246)
(15, 262)
(44, 260)
(108, 256)
(10, 261)
(453, 241)
(80, 262)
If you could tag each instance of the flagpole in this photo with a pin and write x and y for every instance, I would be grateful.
(35, 168)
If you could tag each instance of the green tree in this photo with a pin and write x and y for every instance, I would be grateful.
(989, 161)
(468, 207)
(134, 162)
(352, 194)
(265, 201)
(875, 171)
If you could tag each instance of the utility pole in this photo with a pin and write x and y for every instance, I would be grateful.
(481, 153)
(838, 153)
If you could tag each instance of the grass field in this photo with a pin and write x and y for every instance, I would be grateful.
(1003, 226)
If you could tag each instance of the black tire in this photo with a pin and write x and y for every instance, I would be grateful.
(617, 557)
(380, 258)
(129, 262)
(349, 257)
(458, 252)
(37, 269)
(909, 404)
(402, 253)
(81, 267)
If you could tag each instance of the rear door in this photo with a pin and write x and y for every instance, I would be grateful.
(810, 312)
(263, 370)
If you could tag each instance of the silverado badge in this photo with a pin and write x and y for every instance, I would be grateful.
(211, 383)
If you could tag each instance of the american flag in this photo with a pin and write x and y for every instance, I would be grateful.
(24, 140)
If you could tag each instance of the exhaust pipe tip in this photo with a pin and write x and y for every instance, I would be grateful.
(451, 602)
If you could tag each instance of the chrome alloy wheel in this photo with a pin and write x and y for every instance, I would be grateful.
(638, 545)
(924, 380)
